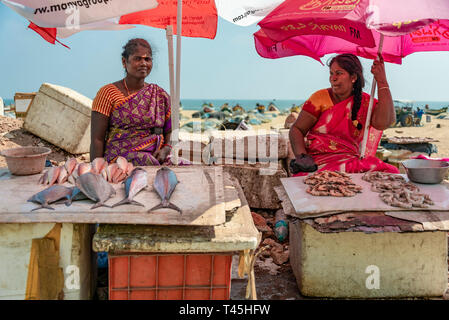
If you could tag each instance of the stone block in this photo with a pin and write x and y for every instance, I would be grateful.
(368, 265)
(257, 181)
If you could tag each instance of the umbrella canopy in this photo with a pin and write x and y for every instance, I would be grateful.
(56, 13)
(433, 37)
(245, 12)
(404, 16)
(303, 17)
(199, 17)
(315, 28)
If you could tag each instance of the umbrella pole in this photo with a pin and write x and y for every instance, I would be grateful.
(169, 35)
(370, 106)
(175, 108)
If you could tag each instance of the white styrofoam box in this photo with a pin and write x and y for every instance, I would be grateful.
(61, 116)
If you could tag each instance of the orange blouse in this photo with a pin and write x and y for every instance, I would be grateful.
(107, 98)
(318, 102)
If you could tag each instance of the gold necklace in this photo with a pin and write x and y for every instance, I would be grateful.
(126, 87)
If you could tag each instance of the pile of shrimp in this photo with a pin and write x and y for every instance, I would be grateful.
(395, 191)
(331, 183)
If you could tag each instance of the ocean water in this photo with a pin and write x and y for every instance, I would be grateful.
(196, 104)
(7, 102)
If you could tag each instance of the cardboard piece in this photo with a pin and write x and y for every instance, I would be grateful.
(306, 205)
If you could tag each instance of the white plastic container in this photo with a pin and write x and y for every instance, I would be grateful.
(61, 116)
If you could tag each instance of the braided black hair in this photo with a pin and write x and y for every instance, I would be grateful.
(130, 47)
(352, 65)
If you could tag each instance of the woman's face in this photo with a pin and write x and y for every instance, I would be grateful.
(341, 81)
(139, 64)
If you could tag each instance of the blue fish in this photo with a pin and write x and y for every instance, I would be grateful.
(76, 194)
(96, 188)
(165, 183)
(50, 195)
(137, 180)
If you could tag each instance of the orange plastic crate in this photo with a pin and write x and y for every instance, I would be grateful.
(170, 276)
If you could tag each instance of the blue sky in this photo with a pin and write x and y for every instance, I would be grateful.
(227, 67)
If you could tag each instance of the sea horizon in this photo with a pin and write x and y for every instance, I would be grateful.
(283, 104)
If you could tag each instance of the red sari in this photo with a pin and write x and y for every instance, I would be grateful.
(334, 142)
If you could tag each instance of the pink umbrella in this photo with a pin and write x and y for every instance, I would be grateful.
(314, 28)
(351, 20)
(433, 37)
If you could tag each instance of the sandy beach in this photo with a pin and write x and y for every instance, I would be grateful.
(437, 129)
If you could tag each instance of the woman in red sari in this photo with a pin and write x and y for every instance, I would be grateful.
(328, 132)
(131, 118)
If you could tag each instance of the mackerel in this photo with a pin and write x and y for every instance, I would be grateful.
(50, 195)
(76, 194)
(96, 188)
(165, 183)
(137, 181)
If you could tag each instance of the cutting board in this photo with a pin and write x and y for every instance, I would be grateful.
(199, 194)
(306, 205)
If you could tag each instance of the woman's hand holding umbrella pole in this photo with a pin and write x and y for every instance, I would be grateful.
(384, 114)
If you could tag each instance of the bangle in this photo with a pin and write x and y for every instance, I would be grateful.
(383, 88)
(166, 145)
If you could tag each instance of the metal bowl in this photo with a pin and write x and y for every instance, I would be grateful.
(26, 160)
(425, 171)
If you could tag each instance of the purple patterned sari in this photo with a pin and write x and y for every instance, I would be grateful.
(131, 126)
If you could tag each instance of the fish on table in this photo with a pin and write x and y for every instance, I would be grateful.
(50, 176)
(96, 188)
(137, 181)
(76, 194)
(165, 183)
(51, 194)
(70, 165)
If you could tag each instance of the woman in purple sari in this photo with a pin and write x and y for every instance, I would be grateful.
(131, 118)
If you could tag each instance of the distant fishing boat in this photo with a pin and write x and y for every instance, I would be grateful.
(272, 107)
(435, 112)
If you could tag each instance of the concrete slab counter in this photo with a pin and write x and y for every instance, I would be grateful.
(368, 254)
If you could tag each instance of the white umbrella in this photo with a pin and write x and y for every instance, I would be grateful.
(54, 13)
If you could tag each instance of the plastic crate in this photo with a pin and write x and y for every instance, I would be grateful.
(146, 276)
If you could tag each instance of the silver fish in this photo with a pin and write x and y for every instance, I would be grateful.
(137, 181)
(50, 195)
(76, 194)
(165, 183)
(96, 188)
